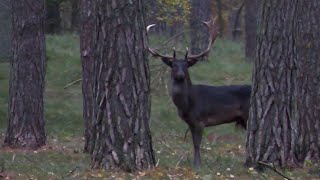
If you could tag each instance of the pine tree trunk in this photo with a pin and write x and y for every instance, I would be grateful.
(5, 30)
(200, 11)
(283, 126)
(121, 88)
(26, 119)
(87, 46)
(251, 18)
(307, 44)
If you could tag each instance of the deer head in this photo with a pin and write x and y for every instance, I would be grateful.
(179, 67)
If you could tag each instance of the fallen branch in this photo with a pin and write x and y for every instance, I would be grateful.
(70, 84)
(163, 142)
(272, 167)
(185, 134)
(208, 165)
(71, 172)
(179, 161)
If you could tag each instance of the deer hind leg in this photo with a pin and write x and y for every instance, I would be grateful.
(196, 137)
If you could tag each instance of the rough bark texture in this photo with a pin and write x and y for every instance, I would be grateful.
(121, 88)
(87, 46)
(26, 120)
(307, 46)
(5, 41)
(251, 18)
(283, 125)
(200, 11)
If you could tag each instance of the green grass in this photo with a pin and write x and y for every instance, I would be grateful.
(223, 147)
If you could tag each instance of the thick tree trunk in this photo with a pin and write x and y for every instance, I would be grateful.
(26, 119)
(87, 46)
(283, 126)
(121, 88)
(307, 28)
(200, 11)
(5, 30)
(251, 20)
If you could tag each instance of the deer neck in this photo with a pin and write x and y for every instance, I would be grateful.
(181, 94)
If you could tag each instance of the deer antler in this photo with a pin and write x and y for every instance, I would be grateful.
(153, 51)
(213, 31)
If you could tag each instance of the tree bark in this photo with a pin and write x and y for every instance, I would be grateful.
(308, 72)
(251, 17)
(121, 88)
(5, 30)
(283, 126)
(26, 119)
(200, 11)
(87, 48)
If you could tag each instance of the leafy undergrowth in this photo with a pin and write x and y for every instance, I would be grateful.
(223, 147)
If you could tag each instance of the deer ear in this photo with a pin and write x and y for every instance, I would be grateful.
(192, 62)
(167, 61)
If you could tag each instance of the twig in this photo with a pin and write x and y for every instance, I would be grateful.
(208, 165)
(157, 162)
(13, 157)
(179, 161)
(175, 136)
(163, 142)
(185, 135)
(71, 172)
(272, 167)
(70, 84)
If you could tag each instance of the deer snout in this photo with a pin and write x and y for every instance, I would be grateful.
(179, 76)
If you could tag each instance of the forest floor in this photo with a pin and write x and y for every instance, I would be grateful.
(223, 147)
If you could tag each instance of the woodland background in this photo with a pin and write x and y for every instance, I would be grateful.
(230, 62)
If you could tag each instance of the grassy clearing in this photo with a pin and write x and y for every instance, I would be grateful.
(222, 148)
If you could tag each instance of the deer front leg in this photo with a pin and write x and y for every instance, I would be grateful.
(196, 137)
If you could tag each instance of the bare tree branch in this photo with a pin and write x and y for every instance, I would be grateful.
(272, 167)
(70, 84)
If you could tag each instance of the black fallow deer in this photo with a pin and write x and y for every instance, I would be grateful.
(201, 105)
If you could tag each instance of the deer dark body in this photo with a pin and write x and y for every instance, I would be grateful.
(212, 105)
(202, 106)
